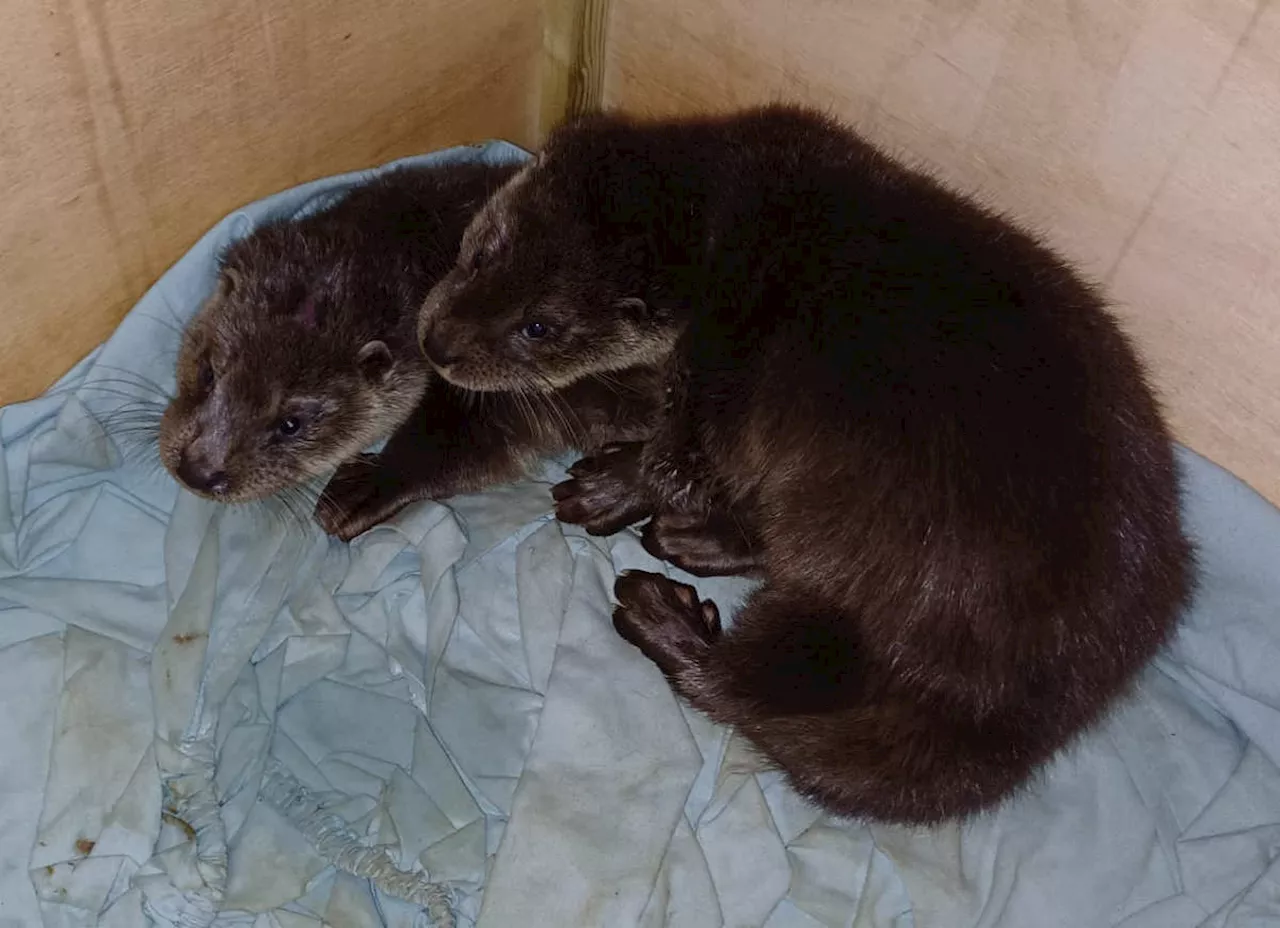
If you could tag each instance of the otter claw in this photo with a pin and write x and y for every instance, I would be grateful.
(605, 494)
(605, 457)
(703, 544)
(665, 620)
(565, 490)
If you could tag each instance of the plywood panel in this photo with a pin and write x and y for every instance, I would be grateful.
(130, 126)
(1140, 135)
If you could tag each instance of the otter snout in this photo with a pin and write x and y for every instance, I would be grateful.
(201, 475)
(439, 347)
(196, 446)
(439, 338)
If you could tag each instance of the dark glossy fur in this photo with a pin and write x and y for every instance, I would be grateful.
(315, 320)
(927, 433)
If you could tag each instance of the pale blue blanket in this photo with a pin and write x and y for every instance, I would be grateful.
(216, 716)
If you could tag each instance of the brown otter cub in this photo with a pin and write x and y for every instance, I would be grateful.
(307, 353)
(942, 454)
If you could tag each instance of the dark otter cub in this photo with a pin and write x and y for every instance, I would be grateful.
(945, 458)
(307, 353)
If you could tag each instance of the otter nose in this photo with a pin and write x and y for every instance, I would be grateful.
(437, 350)
(199, 476)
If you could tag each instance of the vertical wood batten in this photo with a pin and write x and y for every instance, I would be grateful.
(574, 39)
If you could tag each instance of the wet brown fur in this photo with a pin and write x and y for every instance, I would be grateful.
(315, 319)
(926, 431)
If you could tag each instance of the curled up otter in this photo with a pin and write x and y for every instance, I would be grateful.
(918, 425)
(306, 354)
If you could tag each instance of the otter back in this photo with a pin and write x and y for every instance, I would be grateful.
(918, 424)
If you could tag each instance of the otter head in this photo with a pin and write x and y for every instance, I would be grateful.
(284, 373)
(545, 291)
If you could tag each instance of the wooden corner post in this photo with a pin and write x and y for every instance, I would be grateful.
(574, 33)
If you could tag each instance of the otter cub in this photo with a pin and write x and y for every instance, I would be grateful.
(945, 458)
(307, 353)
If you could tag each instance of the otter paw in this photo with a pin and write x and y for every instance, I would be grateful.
(605, 493)
(615, 455)
(665, 620)
(699, 544)
(673, 473)
(360, 496)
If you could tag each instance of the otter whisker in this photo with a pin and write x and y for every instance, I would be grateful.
(134, 432)
(179, 320)
(141, 456)
(173, 326)
(129, 392)
(133, 453)
(571, 424)
(278, 510)
(278, 505)
(299, 516)
(134, 436)
(311, 493)
(609, 382)
(525, 409)
(127, 408)
(551, 419)
(366, 460)
(130, 419)
(123, 383)
(133, 406)
(138, 379)
(149, 405)
(325, 507)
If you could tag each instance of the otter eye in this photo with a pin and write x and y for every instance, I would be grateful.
(534, 330)
(289, 426)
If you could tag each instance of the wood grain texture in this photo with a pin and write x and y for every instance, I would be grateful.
(586, 92)
(574, 42)
(1140, 136)
(561, 45)
(131, 126)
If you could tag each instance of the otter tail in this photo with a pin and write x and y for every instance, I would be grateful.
(850, 731)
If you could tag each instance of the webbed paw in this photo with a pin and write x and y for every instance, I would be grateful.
(665, 620)
(605, 492)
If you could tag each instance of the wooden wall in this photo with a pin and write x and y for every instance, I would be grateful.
(1142, 135)
(128, 127)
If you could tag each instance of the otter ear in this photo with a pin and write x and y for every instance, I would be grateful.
(308, 313)
(633, 306)
(375, 361)
(229, 280)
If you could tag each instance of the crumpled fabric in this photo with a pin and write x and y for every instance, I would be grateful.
(217, 716)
